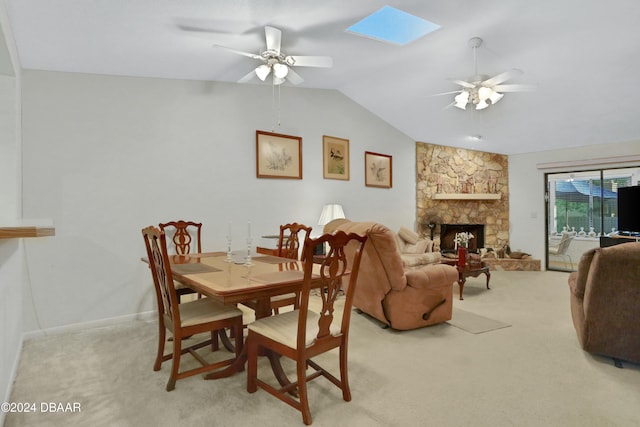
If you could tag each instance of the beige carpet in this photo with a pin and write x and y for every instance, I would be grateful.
(474, 323)
(530, 374)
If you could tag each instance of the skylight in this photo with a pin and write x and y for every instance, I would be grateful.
(394, 26)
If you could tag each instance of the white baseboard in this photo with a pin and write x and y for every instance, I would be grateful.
(75, 327)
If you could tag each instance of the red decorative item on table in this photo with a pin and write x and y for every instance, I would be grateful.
(462, 256)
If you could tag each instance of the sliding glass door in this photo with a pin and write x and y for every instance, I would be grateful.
(581, 207)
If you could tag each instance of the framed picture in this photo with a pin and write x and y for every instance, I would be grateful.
(335, 158)
(377, 170)
(278, 156)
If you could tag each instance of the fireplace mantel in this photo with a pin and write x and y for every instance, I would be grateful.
(466, 196)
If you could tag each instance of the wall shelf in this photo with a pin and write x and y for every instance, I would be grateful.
(467, 196)
(26, 228)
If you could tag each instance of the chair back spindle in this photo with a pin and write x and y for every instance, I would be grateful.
(289, 246)
(183, 237)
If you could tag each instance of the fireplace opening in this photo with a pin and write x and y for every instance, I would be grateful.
(448, 234)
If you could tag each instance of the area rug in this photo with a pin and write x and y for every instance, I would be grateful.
(474, 323)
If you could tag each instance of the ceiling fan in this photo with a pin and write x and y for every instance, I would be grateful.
(277, 63)
(482, 91)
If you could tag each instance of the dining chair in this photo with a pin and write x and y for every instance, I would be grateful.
(302, 334)
(289, 247)
(186, 319)
(183, 235)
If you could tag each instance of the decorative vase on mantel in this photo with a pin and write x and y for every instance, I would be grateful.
(462, 256)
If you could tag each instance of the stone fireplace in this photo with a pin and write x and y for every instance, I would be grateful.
(443, 203)
(448, 234)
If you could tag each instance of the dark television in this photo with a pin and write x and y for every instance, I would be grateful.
(629, 209)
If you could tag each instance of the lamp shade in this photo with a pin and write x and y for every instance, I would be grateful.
(263, 71)
(461, 100)
(484, 93)
(329, 213)
(481, 105)
(280, 70)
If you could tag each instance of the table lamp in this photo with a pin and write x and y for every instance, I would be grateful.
(329, 213)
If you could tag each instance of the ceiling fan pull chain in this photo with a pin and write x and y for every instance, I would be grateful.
(273, 105)
(275, 109)
(279, 104)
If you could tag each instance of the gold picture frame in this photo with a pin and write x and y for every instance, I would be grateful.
(278, 155)
(335, 158)
(378, 171)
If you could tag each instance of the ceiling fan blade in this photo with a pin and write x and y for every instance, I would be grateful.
(464, 84)
(503, 77)
(248, 77)
(293, 77)
(273, 36)
(514, 88)
(450, 105)
(310, 61)
(239, 52)
(446, 93)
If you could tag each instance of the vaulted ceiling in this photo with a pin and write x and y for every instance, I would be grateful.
(582, 57)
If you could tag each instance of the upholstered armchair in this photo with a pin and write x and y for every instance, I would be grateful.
(605, 301)
(415, 251)
(400, 298)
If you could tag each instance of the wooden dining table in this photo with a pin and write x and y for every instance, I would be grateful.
(211, 274)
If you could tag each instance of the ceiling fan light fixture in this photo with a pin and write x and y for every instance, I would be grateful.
(462, 99)
(481, 105)
(280, 70)
(485, 93)
(263, 71)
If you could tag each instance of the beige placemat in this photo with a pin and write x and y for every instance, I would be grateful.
(194, 268)
(270, 259)
(278, 277)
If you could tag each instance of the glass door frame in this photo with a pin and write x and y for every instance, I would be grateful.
(603, 174)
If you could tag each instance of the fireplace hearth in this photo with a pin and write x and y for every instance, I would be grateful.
(448, 234)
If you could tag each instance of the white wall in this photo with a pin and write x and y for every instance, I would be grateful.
(11, 255)
(526, 190)
(11, 260)
(106, 156)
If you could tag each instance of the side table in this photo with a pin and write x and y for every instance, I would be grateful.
(469, 270)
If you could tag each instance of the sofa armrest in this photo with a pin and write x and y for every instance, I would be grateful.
(414, 260)
(432, 276)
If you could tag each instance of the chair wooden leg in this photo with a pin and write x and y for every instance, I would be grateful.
(302, 392)
(252, 365)
(239, 339)
(344, 374)
(175, 363)
(162, 336)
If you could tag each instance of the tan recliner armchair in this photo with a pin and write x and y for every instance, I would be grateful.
(402, 299)
(605, 301)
